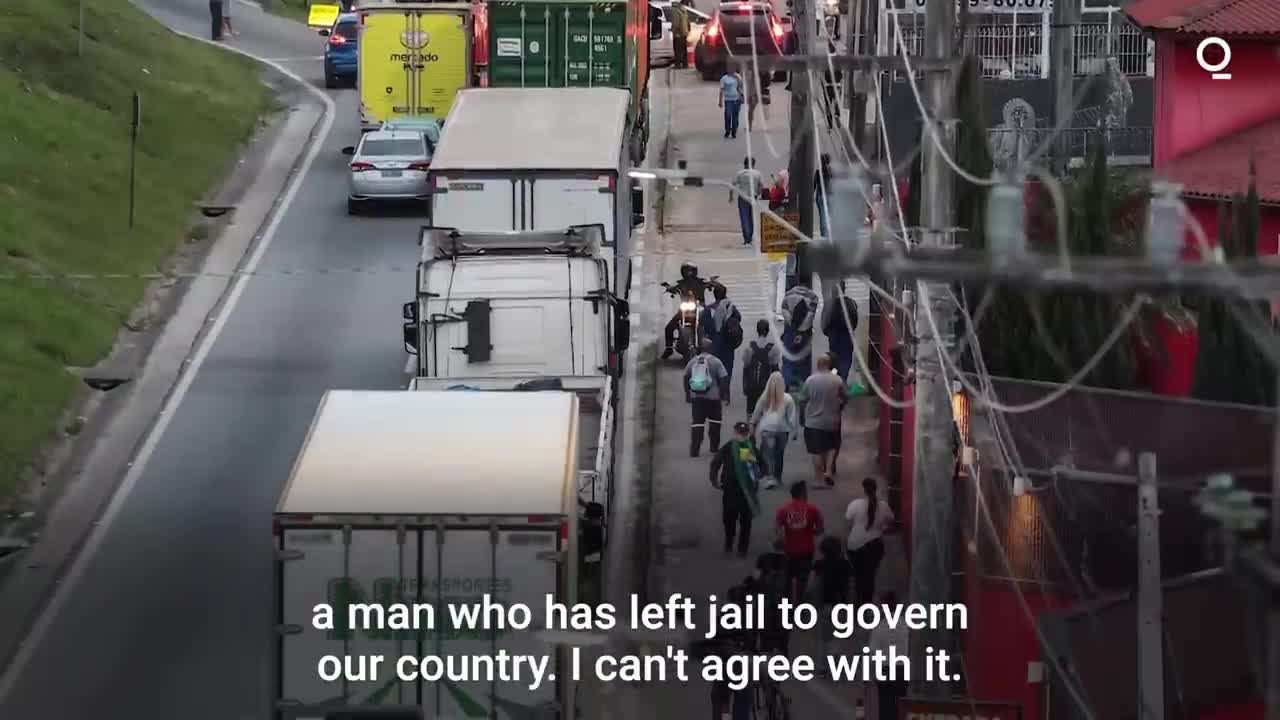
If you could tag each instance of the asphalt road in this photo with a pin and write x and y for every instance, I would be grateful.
(172, 617)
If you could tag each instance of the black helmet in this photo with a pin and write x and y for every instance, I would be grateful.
(688, 271)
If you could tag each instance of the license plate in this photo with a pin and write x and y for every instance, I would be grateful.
(743, 41)
(392, 173)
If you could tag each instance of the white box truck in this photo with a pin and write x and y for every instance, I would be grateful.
(515, 304)
(432, 497)
(539, 159)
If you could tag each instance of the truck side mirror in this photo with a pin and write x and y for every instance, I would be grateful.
(637, 219)
(411, 337)
(637, 198)
(349, 150)
(621, 325)
(410, 311)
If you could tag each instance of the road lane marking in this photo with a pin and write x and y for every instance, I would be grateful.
(309, 58)
(80, 563)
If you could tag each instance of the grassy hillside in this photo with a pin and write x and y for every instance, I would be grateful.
(64, 185)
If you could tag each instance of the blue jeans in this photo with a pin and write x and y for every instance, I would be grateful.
(795, 372)
(747, 216)
(774, 449)
(731, 108)
(842, 352)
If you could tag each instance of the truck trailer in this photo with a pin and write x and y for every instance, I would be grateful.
(413, 59)
(435, 497)
(575, 43)
(539, 159)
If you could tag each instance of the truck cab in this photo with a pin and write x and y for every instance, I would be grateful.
(515, 304)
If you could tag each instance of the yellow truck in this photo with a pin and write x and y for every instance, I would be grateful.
(414, 58)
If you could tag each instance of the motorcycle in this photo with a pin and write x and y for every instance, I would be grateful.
(689, 334)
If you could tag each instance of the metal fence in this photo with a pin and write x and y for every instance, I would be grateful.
(1125, 145)
(1014, 45)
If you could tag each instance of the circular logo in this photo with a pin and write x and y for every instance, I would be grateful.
(534, 47)
(414, 40)
(1213, 42)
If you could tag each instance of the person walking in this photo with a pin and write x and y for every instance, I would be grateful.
(822, 192)
(735, 472)
(775, 421)
(731, 101)
(868, 520)
(706, 387)
(759, 361)
(799, 306)
(751, 96)
(887, 637)
(680, 34)
(226, 18)
(831, 574)
(824, 399)
(722, 323)
(798, 525)
(215, 17)
(749, 186)
(839, 323)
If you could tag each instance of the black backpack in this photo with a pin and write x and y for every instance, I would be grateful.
(756, 373)
(836, 324)
(733, 332)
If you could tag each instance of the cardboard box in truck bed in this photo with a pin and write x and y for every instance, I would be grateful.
(426, 497)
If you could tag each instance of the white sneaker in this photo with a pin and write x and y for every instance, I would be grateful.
(770, 483)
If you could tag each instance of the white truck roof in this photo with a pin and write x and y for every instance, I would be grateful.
(436, 453)
(534, 129)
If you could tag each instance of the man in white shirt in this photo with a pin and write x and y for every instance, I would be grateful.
(884, 638)
(749, 185)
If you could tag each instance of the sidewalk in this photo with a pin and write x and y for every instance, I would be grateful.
(702, 226)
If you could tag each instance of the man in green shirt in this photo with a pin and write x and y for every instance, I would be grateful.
(680, 33)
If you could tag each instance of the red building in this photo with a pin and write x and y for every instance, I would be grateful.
(1206, 129)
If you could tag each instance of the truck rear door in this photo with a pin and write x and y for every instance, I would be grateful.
(413, 62)
(560, 202)
(477, 204)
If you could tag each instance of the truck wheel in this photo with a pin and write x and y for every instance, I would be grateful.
(330, 82)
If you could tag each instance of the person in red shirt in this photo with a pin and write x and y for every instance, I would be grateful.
(798, 525)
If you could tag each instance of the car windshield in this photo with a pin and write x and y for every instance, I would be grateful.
(346, 30)
(389, 147)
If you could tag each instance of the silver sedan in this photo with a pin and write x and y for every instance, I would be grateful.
(389, 165)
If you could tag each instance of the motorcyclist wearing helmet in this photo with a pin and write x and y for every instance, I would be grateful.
(696, 286)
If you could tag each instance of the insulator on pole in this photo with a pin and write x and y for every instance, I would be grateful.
(1007, 221)
(1165, 224)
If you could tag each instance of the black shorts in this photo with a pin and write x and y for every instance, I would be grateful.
(799, 566)
(819, 441)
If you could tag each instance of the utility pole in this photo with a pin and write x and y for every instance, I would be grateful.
(933, 510)
(1150, 595)
(1062, 64)
(802, 161)
(860, 38)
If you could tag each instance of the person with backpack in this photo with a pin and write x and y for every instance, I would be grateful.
(706, 389)
(799, 306)
(723, 325)
(775, 421)
(759, 361)
(831, 574)
(735, 472)
(839, 332)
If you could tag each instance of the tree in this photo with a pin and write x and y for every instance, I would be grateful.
(1229, 365)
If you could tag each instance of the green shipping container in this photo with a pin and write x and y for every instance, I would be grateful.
(558, 44)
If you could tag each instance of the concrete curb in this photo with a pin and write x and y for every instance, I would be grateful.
(30, 593)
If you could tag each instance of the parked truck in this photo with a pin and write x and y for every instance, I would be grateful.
(575, 43)
(433, 497)
(515, 304)
(539, 159)
(413, 59)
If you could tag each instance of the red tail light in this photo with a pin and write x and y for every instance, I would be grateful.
(713, 29)
(336, 39)
(361, 167)
(777, 29)
(423, 166)
(564, 531)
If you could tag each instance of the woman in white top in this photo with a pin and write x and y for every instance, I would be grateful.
(868, 519)
(774, 421)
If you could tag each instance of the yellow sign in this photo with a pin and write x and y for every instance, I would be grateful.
(774, 237)
(412, 62)
(322, 16)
